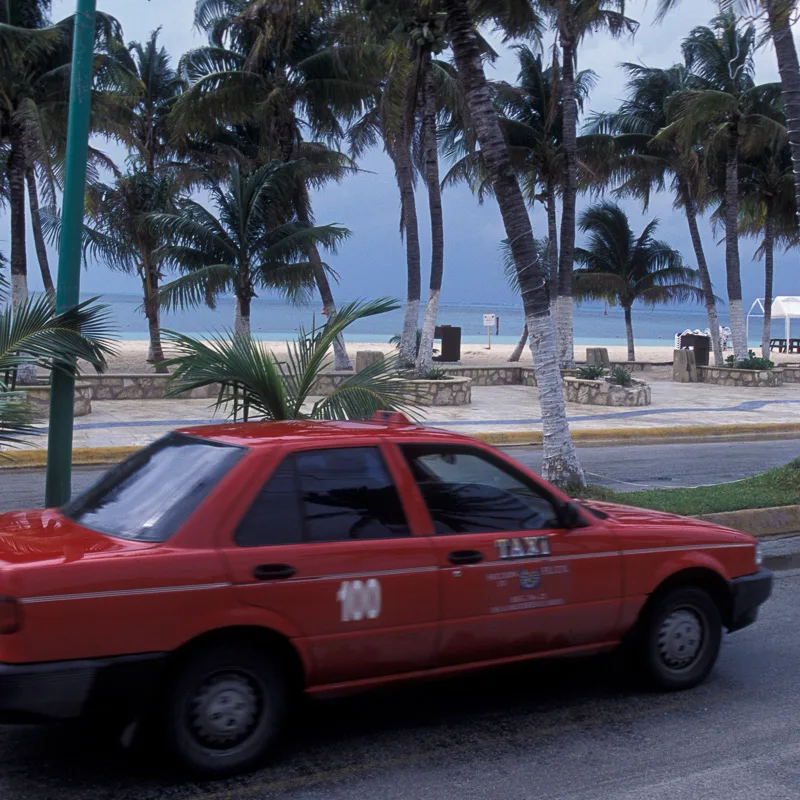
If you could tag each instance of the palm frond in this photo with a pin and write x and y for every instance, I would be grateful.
(18, 419)
(200, 287)
(374, 388)
(35, 334)
(250, 375)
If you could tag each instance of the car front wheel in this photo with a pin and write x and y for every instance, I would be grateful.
(224, 709)
(681, 637)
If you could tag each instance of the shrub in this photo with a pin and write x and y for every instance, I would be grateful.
(593, 372)
(752, 361)
(438, 374)
(621, 376)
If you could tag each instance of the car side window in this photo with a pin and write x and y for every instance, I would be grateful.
(467, 492)
(274, 517)
(348, 493)
(334, 495)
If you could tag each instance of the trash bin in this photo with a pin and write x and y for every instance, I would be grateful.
(450, 337)
(701, 346)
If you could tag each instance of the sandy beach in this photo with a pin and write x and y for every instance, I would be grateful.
(132, 354)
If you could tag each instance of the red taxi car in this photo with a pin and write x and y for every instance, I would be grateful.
(224, 568)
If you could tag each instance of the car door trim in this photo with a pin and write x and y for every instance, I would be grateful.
(350, 575)
(53, 598)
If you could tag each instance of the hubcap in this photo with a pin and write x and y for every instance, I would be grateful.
(680, 638)
(225, 710)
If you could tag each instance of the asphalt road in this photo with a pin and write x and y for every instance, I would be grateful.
(579, 730)
(621, 467)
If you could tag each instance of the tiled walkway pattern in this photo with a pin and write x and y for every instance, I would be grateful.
(500, 408)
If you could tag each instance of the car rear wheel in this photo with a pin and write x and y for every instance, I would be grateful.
(680, 638)
(224, 709)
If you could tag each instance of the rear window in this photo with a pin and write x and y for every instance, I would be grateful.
(151, 494)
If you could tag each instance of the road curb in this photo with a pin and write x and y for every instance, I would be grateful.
(759, 521)
(89, 456)
(81, 457)
(664, 435)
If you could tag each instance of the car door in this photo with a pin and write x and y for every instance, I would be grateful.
(326, 545)
(513, 579)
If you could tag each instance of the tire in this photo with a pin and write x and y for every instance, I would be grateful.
(224, 709)
(680, 639)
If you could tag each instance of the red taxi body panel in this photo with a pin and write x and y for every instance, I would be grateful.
(356, 611)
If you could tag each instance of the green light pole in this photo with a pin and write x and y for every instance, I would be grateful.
(62, 390)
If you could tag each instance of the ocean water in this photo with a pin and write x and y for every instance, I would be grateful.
(278, 320)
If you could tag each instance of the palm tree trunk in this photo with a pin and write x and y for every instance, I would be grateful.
(566, 336)
(431, 155)
(38, 235)
(241, 318)
(779, 15)
(769, 247)
(552, 247)
(341, 361)
(560, 459)
(152, 311)
(629, 333)
(732, 267)
(16, 187)
(690, 208)
(523, 340)
(401, 155)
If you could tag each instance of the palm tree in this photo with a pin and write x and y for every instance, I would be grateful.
(33, 335)
(545, 252)
(403, 115)
(534, 127)
(282, 75)
(34, 83)
(640, 163)
(275, 390)
(767, 210)
(573, 20)
(118, 233)
(430, 171)
(152, 173)
(247, 245)
(622, 268)
(781, 16)
(727, 112)
(560, 459)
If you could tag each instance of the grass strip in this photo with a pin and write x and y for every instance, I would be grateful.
(777, 487)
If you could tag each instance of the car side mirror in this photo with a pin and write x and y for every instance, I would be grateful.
(571, 516)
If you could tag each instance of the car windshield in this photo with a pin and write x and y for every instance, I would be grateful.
(149, 495)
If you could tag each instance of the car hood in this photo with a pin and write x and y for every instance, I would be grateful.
(630, 518)
(38, 536)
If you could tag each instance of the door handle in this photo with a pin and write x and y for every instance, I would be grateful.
(271, 572)
(465, 557)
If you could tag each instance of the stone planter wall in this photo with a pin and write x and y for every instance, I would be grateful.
(727, 376)
(499, 375)
(791, 373)
(148, 386)
(39, 397)
(602, 393)
(455, 392)
(632, 366)
(528, 376)
(328, 381)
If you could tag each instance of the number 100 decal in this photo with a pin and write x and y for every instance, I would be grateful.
(360, 600)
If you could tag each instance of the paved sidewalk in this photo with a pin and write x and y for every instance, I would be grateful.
(501, 409)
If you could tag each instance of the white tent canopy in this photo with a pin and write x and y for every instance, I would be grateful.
(785, 307)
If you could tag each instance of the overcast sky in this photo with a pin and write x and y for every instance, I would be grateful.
(372, 262)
